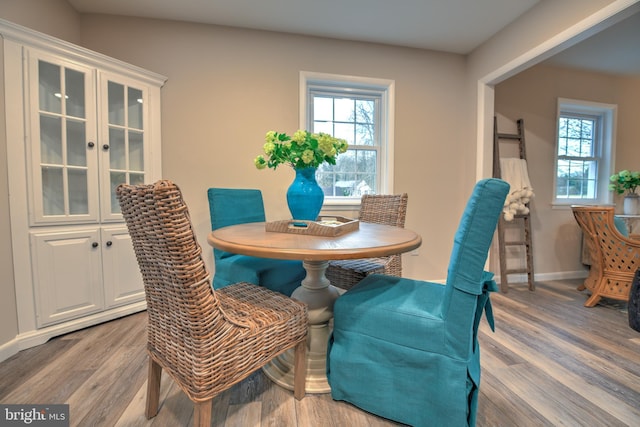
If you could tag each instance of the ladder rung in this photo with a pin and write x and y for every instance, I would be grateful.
(517, 270)
(517, 243)
(508, 136)
(521, 216)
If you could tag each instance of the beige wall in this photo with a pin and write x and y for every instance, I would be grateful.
(628, 131)
(227, 86)
(54, 17)
(532, 95)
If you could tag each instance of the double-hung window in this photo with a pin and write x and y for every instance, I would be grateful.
(584, 152)
(359, 110)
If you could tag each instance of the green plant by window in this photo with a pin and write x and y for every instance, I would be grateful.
(625, 181)
(303, 150)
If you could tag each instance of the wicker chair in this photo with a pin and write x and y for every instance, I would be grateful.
(590, 252)
(614, 257)
(205, 340)
(377, 209)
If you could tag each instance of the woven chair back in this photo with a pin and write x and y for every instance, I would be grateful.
(617, 250)
(385, 209)
(180, 300)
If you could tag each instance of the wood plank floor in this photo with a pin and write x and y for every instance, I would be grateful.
(551, 362)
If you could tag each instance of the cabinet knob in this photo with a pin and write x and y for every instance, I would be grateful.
(109, 243)
(105, 146)
(94, 245)
(90, 144)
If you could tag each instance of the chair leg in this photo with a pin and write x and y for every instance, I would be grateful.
(202, 414)
(593, 300)
(153, 388)
(300, 370)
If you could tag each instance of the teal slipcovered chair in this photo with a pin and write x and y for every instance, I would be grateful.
(407, 349)
(621, 226)
(230, 206)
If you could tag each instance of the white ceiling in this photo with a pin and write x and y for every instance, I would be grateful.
(457, 26)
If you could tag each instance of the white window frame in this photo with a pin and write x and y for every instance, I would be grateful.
(342, 83)
(604, 150)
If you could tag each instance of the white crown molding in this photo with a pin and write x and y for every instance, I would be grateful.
(35, 39)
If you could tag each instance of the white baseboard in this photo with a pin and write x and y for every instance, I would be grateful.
(40, 336)
(542, 277)
(8, 349)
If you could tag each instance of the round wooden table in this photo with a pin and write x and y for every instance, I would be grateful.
(370, 240)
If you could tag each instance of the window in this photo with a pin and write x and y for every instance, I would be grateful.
(359, 110)
(584, 152)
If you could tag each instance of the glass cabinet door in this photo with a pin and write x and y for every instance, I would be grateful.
(125, 147)
(63, 145)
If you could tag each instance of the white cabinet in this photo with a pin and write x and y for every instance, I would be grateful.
(121, 275)
(62, 154)
(89, 133)
(80, 124)
(81, 271)
(62, 292)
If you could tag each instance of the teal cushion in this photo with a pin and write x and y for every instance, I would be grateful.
(621, 226)
(278, 275)
(389, 295)
(231, 206)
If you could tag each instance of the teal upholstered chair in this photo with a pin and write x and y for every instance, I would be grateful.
(230, 206)
(407, 349)
(621, 226)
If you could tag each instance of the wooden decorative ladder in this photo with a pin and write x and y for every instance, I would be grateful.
(523, 221)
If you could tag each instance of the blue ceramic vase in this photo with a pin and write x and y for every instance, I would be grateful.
(304, 196)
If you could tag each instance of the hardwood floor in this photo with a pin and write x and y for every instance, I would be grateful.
(550, 362)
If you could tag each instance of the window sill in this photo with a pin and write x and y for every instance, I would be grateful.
(346, 204)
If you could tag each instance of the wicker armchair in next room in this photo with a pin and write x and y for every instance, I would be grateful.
(614, 256)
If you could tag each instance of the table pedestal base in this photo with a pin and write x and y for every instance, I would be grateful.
(280, 369)
(319, 295)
